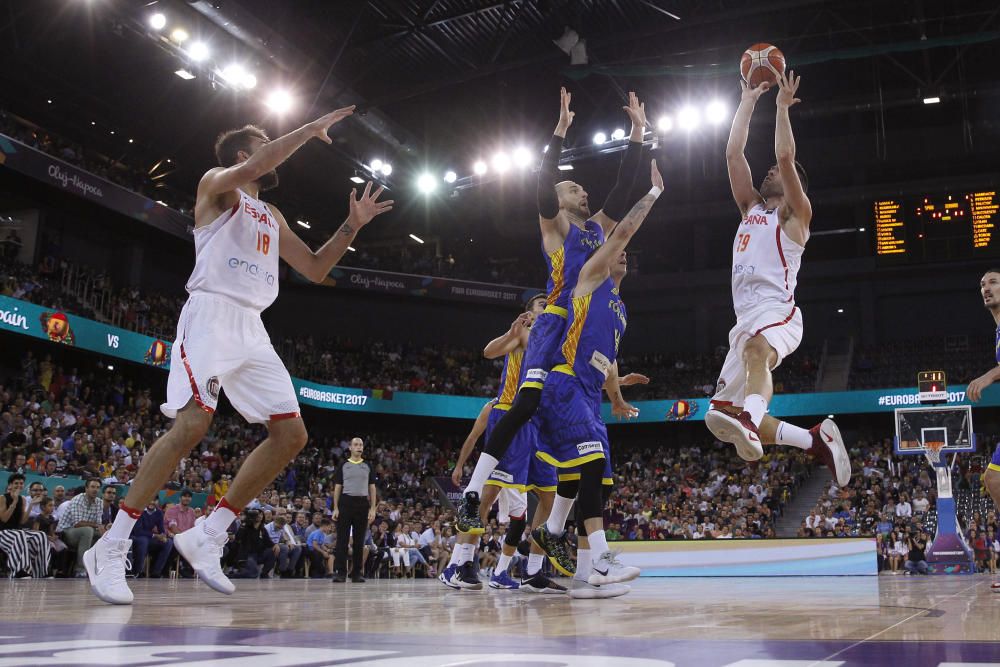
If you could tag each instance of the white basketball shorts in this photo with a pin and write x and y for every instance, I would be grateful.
(513, 504)
(780, 325)
(220, 345)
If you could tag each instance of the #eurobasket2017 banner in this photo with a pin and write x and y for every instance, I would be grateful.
(63, 328)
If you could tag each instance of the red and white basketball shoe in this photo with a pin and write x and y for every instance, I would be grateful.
(828, 448)
(738, 430)
(995, 587)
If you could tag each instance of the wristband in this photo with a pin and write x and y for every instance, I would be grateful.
(655, 191)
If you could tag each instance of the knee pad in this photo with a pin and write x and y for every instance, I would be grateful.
(515, 531)
(591, 500)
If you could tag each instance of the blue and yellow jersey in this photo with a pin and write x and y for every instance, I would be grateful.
(594, 329)
(565, 264)
(509, 379)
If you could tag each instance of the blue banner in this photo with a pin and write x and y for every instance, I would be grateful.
(67, 329)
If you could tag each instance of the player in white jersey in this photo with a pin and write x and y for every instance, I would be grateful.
(767, 253)
(222, 344)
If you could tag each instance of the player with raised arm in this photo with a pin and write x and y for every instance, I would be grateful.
(767, 253)
(222, 344)
(572, 435)
(569, 234)
(989, 289)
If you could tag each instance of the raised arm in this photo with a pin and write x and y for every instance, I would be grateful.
(316, 265)
(554, 227)
(619, 407)
(478, 428)
(798, 213)
(616, 204)
(740, 179)
(516, 336)
(269, 156)
(598, 267)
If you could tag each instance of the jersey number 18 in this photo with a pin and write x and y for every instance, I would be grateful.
(264, 243)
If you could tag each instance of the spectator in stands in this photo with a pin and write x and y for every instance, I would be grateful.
(320, 549)
(149, 536)
(36, 494)
(27, 550)
(255, 547)
(180, 517)
(109, 506)
(286, 549)
(81, 523)
(916, 559)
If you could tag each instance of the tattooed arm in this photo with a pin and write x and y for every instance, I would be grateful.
(316, 265)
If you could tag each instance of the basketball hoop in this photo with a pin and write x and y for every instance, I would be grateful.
(933, 451)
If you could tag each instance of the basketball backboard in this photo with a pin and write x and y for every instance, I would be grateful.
(919, 428)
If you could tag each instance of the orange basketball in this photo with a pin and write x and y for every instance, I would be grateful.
(760, 63)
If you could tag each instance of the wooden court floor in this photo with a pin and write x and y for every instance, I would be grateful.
(787, 622)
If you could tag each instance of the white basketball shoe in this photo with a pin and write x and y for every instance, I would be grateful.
(107, 563)
(609, 570)
(204, 553)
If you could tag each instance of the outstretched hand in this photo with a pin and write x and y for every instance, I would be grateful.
(565, 115)
(319, 127)
(633, 378)
(366, 207)
(754, 94)
(623, 410)
(787, 87)
(636, 111)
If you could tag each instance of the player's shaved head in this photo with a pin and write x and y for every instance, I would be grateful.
(573, 199)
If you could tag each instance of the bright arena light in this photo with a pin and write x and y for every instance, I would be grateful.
(688, 118)
(249, 81)
(386, 169)
(716, 112)
(279, 101)
(479, 168)
(157, 21)
(376, 165)
(450, 176)
(179, 35)
(618, 134)
(234, 74)
(426, 183)
(665, 124)
(522, 157)
(501, 162)
(198, 51)
(600, 138)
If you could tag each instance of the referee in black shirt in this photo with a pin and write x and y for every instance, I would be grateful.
(353, 507)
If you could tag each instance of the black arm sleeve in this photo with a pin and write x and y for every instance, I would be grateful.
(548, 201)
(338, 476)
(616, 205)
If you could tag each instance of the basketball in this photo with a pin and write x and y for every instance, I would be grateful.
(760, 63)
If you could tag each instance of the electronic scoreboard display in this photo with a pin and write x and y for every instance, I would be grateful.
(942, 227)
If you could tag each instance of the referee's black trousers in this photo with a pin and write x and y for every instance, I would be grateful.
(353, 514)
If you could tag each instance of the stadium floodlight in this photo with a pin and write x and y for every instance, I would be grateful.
(357, 179)
(179, 35)
(198, 51)
(932, 100)
(376, 165)
(157, 21)
(618, 134)
(279, 101)
(600, 138)
(565, 167)
(501, 162)
(386, 168)
(351, 248)
(665, 124)
(450, 176)
(426, 183)
(234, 74)
(304, 223)
(522, 157)
(416, 238)
(716, 112)
(479, 168)
(249, 81)
(184, 74)
(688, 118)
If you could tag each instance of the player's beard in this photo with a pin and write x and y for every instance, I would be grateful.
(268, 181)
(770, 189)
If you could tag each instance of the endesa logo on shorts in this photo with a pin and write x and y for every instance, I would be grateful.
(585, 448)
(253, 270)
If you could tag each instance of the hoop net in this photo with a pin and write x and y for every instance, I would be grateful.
(933, 450)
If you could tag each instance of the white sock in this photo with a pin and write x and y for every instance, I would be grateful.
(121, 529)
(583, 565)
(456, 554)
(484, 467)
(468, 553)
(556, 523)
(598, 543)
(534, 564)
(790, 434)
(756, 406)
(502, 564)
(219, 520)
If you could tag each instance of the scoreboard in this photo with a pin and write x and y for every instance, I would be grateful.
(942, 227)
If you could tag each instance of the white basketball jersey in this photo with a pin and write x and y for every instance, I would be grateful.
(236, 256)
(765, 263)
